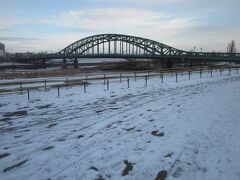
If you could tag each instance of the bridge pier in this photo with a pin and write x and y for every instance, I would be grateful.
(75, 63)
(44, 63)
(64, 63)
(169, 64)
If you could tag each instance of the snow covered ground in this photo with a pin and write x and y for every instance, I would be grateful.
(186, 130)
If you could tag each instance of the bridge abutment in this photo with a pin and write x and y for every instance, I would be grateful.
(44, 63)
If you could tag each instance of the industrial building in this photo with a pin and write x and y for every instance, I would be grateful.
(2, 52)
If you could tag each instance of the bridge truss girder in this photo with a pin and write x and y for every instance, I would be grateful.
(121, 45)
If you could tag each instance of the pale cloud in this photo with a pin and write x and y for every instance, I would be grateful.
(159, 26)
(124, 20)
(20, 39)
(141, 1)
(9, 22)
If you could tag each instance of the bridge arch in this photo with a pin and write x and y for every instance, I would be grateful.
(118, 44)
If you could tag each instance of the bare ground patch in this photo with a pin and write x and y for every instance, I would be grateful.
(161, 175)
(128, 168)
(157, 133)
(4, 155)
(15, 113)
(15, 166)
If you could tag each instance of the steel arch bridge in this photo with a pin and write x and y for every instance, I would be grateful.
(118, 44)
(130, 47)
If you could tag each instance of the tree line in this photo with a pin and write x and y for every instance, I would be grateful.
(231, 48)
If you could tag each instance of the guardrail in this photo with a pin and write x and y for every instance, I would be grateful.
(104, 79)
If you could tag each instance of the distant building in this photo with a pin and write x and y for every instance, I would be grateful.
(2, 52)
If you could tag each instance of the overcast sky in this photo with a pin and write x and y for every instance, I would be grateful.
(50, 25)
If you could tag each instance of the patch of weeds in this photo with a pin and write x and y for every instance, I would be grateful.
(128, 168)
(161, 175)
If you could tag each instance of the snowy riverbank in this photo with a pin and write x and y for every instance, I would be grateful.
(188, 129)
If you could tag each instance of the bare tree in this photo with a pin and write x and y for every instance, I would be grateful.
(232, 47)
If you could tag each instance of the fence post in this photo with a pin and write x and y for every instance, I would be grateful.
(120, 77)
(58, 91)
(189, 75)
(84, 87)
(128, 82)
(162, 78)
(28, 94)
(104, 79)
(229, 72)
(211, 72)
(135, 75)
(176, 78)
(146, 78)
(45, 83)
(67, 82)
(86, 78)
(201, 73)
(108, 85)
(21, 88)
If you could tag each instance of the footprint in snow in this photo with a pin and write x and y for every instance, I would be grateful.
(156, 133)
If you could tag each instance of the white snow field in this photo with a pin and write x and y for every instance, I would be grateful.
(187, 130)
